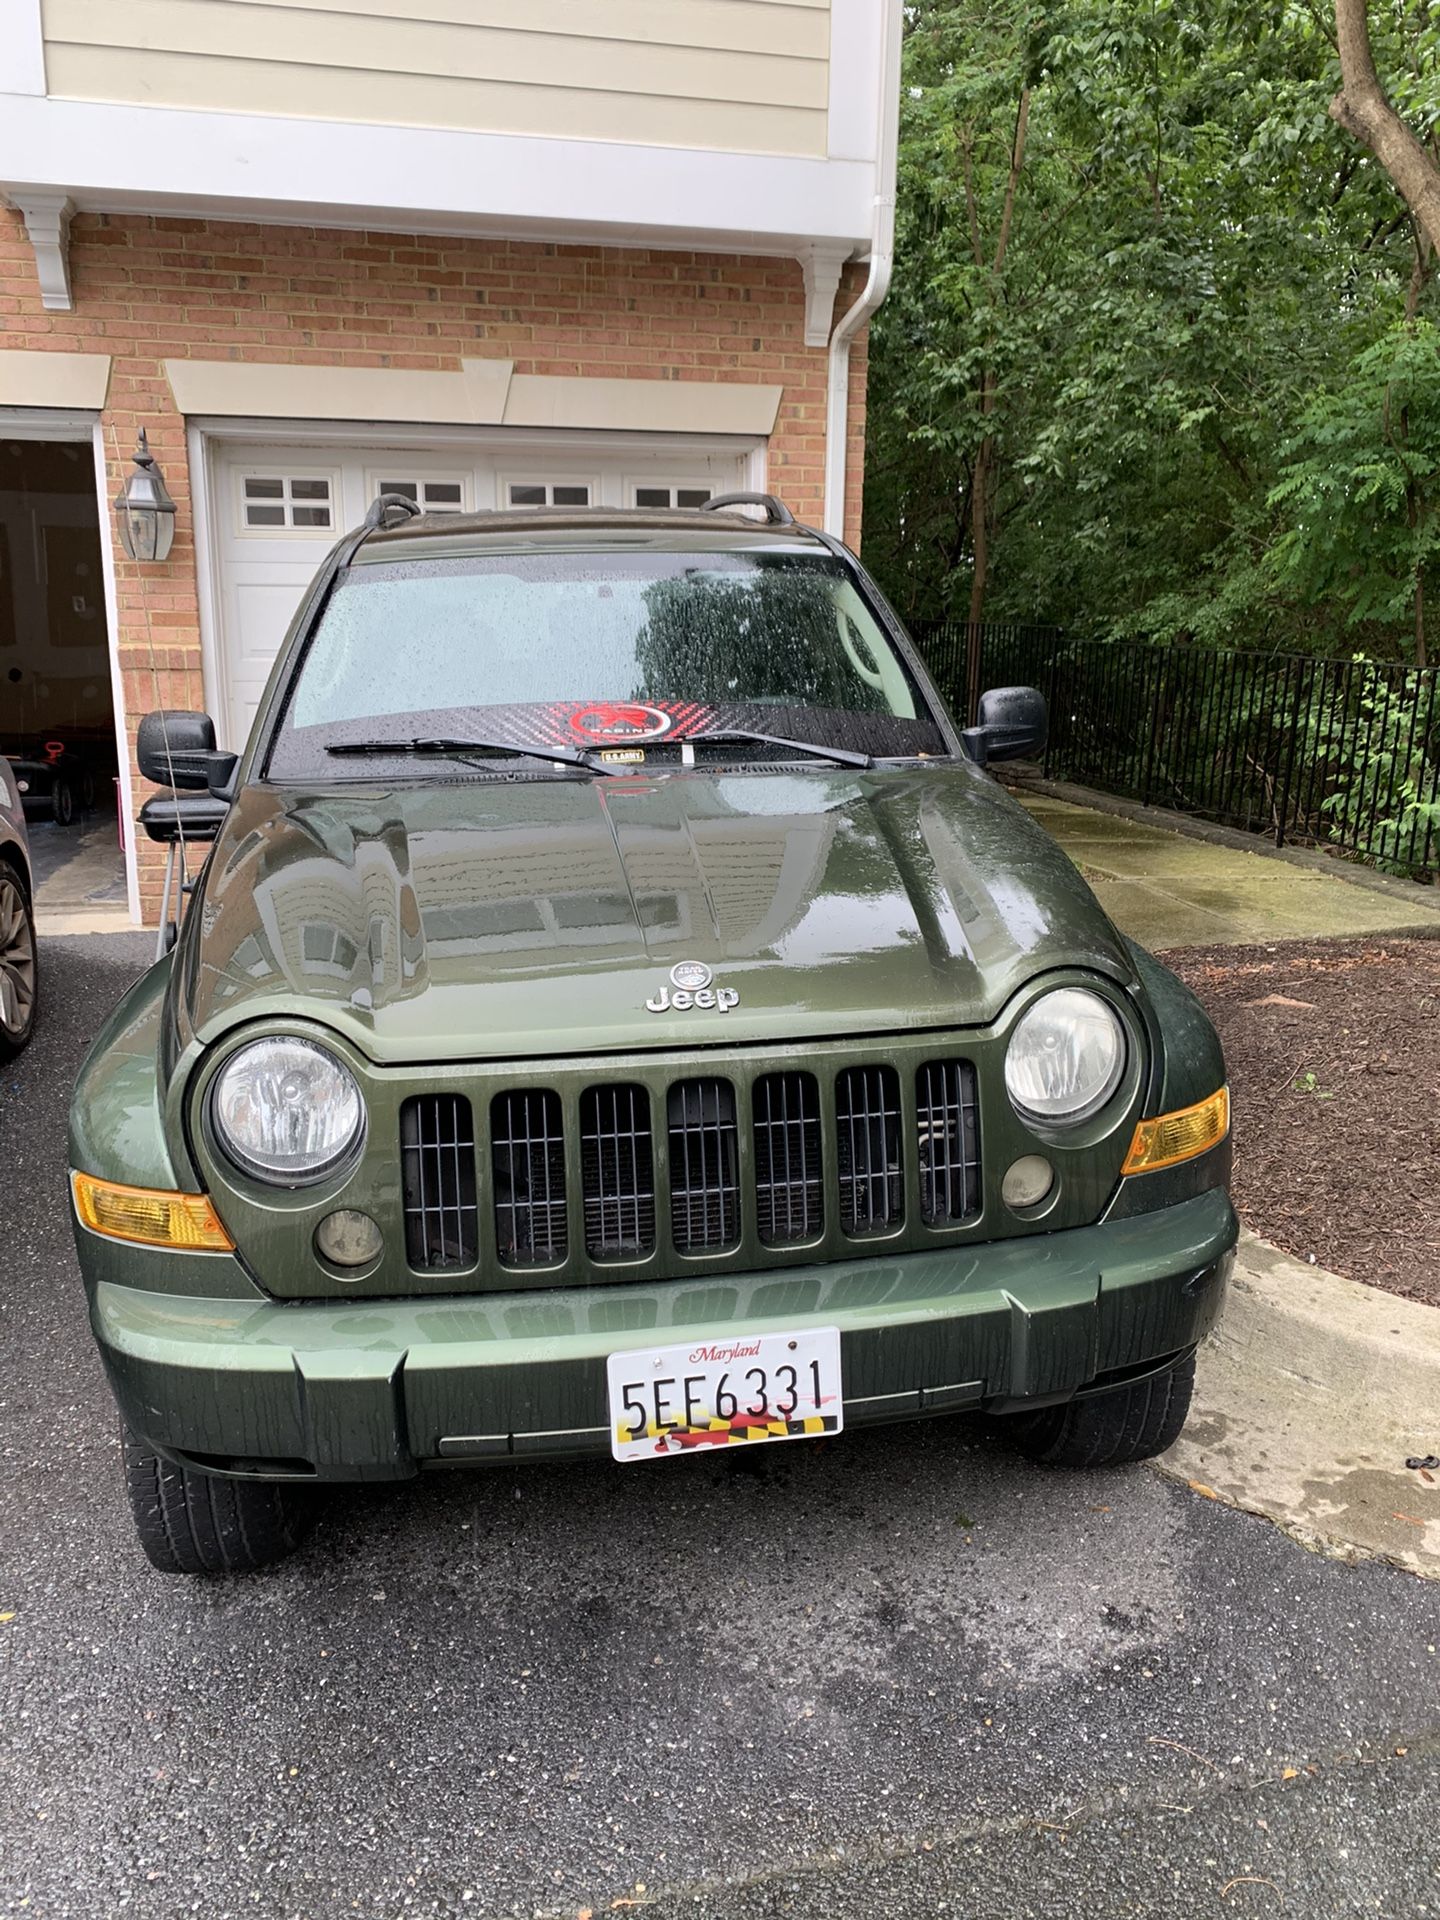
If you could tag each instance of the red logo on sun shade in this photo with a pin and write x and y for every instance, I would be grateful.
(619, 720)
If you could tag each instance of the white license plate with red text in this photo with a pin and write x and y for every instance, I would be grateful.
(739, 1390)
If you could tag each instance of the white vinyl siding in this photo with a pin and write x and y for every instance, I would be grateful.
(749, 76)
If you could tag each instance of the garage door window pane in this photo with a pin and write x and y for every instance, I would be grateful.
(521, 496)
(434, 496)
(571, 496)
(652, 496)
(691, 496)
(300, 501)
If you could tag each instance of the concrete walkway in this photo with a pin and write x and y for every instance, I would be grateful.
(1311, 1394)
(1173, 889)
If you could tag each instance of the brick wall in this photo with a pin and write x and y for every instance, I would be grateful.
(147, 289)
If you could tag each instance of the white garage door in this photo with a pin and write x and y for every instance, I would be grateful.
(277, 510)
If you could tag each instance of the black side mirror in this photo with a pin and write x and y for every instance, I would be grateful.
(177, 749)
(1013, 722)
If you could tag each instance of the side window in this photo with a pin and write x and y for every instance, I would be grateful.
(677, 496)
(547, 493)
(447, 495)
(287, 502)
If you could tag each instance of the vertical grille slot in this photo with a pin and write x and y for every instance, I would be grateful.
(437, 1171)
(867, 1140)
(617, 1168)
(947, 1142)
(704, 1166)
(527, 1159)
(789, 1198)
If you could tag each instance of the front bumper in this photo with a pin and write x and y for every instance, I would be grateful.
(377, 1390)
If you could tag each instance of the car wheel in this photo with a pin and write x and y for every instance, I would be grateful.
(197, 1523)
(19, 970)
(62, 801)
(1111, 1429)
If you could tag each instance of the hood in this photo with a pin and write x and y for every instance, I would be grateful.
(485, 919)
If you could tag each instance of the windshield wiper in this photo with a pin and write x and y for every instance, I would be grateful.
(459, 749)
(843, 756)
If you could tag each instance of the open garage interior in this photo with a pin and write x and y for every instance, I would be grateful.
(57, 717)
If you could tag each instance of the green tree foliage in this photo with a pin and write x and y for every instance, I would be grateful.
(1205, 293)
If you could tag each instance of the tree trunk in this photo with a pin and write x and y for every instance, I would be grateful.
(1362, 109)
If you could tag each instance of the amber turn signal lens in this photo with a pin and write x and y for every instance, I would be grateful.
(1172, 1137)
(152, 1219)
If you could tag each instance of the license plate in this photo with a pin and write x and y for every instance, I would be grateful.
(722, 1393)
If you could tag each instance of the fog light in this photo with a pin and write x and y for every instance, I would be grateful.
(349, 1238)
(1027, 1182)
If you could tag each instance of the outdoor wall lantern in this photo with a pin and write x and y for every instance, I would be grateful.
(144, 511)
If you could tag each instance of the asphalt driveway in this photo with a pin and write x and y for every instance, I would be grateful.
(892, 1674)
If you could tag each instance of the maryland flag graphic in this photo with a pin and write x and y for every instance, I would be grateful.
(711, 1431)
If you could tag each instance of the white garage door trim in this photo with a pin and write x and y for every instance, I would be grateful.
(278, 555)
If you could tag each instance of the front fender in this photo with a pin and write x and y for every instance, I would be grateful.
(117, 1111)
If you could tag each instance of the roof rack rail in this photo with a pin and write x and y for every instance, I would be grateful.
(777, 513)
(386, 504)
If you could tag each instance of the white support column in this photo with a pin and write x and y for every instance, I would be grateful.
(47, 226)
(822, 265)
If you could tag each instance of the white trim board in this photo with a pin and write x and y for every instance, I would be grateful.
(239, 166)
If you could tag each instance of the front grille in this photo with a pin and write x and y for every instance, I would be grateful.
(437, 1173)
(947, 1139)
(804, 1161)
(527, 1159)
(617, 1168)
(871, 1170)
(704, 1170)
(789, 1199)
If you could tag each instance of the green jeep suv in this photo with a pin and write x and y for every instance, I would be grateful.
(619, 1013)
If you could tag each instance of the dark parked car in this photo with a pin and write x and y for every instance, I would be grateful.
(19, 978)
(621, 1014)
(54, 785)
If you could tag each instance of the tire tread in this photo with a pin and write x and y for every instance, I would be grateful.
(1133, 1422)
(191, 1522)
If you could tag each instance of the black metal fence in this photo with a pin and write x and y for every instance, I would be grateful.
(1342, 753)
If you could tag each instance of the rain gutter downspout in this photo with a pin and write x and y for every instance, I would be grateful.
(877, 284)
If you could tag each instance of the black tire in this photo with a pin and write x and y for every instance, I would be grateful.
(1112, 1429)
(196, 1523)
(62, 801)
(19, 968)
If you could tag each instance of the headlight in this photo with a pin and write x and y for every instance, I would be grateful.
(1065, 1057)
(286, 1111)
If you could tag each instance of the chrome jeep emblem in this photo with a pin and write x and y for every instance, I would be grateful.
(691, 982)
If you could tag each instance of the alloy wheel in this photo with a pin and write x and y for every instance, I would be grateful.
(17, 962)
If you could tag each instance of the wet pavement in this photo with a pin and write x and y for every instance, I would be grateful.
(897, 1673)
(1171, 889)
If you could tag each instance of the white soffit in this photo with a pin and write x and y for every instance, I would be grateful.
(74, 380)
(483, 393)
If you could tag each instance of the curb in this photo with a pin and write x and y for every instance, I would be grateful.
(1308, 859)
(1311, 1394)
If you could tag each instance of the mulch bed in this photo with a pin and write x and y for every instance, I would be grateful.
(1333, 1050)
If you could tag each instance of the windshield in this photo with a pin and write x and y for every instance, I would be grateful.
(604, 650)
